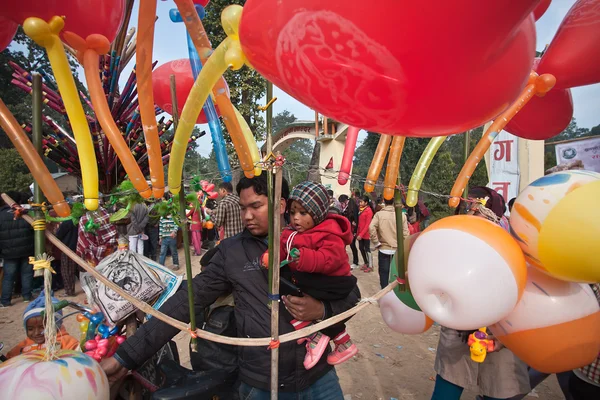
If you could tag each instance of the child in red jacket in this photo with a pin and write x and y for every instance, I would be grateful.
(322, 269)
(365, 215)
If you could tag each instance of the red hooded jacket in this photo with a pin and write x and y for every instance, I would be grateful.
(364, 220)
(322, 248)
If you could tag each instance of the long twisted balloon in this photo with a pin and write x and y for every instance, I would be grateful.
(228, 55)
(45, 34)
(537, 85)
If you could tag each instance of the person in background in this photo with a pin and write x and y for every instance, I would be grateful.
(334, 205)
(383, 238)
(16, 246)
(34, 328)
(227, 214)
(350, 211)
(364, 243)
(379, 204)
(197, 217)
(168, 240)
(96, 236)
(67, 233)
(135, 228)
(502, 375)
(511, 203)
(585, 382)
(151, 230)
(209, 236)
(424, 213)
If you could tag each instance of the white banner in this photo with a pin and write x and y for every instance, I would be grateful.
(504, 166)
(587, 151)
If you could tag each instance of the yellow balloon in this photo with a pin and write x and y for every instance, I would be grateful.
(227, 54)
(45, 34)
(569, 241)
(412, 196)
(250, 142)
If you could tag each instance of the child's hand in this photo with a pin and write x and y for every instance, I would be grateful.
(113, 369)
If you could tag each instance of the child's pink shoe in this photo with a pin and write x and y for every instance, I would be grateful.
(315, 348)
(342, 352)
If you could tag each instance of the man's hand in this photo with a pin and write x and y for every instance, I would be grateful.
(113, 369)
(174, 234)
(305, 308)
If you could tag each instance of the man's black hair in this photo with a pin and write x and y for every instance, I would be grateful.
(227, 186)
(330, 192)
(259, 184)
(343, 198)
(511, 203)
(388, 202)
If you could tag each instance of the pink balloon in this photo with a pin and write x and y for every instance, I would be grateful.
(210, 187)
(91, 345)
(213, 195)
(349, 148)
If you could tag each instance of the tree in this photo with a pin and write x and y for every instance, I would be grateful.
(14, 174)
(246, 85)
(281, 120)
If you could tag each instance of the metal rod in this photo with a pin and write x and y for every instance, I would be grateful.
(39, 239)
(184, 230)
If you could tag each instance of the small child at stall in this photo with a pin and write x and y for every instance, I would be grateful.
(34, 328)
(321, 269)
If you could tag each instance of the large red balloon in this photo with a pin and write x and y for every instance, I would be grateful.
(7, 32)
(395, 66)
(83, 17)
(573, 56)
(161, 86)
(541, 8)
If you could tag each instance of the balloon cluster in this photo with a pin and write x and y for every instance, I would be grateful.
(529, 285)
(98, 340)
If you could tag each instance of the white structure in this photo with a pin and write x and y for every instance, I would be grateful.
(332, 146)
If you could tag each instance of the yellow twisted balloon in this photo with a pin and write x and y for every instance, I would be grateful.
(421, 169)
(45, 34)
(228, 55)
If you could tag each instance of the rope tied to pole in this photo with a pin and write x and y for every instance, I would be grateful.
(42, 263)
(273, 345)
(39, 225)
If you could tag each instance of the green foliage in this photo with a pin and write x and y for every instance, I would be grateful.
(281, 120)
(14, 174)
(247, 86)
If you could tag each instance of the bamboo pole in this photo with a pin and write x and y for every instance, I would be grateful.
(184, 228)
(400, 267)
(275, 282)
(39, 240)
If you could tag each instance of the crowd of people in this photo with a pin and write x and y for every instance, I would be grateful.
(319, 280)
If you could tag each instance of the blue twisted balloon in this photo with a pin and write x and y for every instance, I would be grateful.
(209, 108)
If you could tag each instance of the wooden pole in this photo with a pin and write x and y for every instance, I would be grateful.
(400, 267)
(184, 228)
(39, 240)
(274, 267)
(316, 125)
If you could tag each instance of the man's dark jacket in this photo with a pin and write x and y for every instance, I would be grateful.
(236, 268)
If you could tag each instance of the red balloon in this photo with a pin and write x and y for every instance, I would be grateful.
(203, 3)
(573, 56)
(83, 17)
(541, 8)
(395, 66)
(161, 86)
(543, 117)
(7, 32)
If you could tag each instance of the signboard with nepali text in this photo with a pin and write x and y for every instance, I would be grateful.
(504, 166)
(587, 151)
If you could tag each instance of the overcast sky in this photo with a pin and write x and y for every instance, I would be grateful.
(170, 44)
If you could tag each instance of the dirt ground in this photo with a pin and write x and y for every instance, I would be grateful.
(388, 366)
